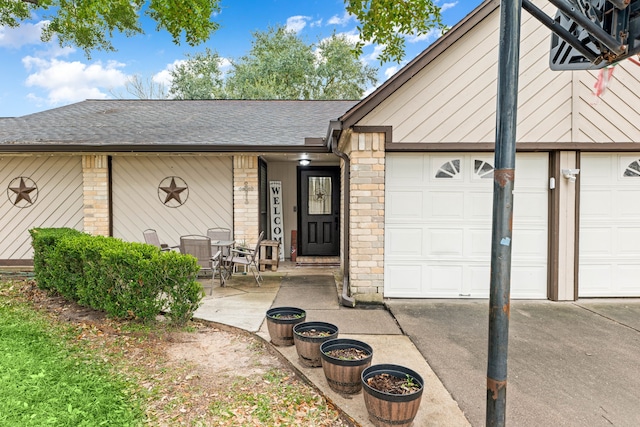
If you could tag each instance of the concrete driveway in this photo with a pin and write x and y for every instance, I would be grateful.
(569, 363)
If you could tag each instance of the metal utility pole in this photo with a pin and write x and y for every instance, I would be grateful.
(503, 180)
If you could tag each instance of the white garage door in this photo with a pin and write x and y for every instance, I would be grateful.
(609, 225)
(176, 195)
(438, 219)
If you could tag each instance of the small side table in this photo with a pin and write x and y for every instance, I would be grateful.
(274, 257)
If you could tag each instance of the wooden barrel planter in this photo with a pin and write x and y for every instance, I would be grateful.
(341, 368)
(398, 405)
(308, 336)
(280, 322)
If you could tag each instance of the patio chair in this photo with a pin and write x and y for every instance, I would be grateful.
(200, 247)
(249, 258)
(216, 234)
(151, 238)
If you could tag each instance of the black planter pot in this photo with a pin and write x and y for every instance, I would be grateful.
(308, 347)
(387, 409)
(344, 376)
(280, 322)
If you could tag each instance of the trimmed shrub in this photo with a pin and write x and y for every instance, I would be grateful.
(126, 280)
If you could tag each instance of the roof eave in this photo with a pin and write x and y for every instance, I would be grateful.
(356, 113)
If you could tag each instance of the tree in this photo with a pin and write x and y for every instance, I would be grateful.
(277, 67)
(282, 66)
(90, 25)
(142, 88)
(385, 22)
(199, 77)
(339, 72)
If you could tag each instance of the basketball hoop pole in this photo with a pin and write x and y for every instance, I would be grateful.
(502, 223)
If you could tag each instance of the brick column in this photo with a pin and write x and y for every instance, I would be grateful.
(245, 199)
(95, 189)
(366, 227)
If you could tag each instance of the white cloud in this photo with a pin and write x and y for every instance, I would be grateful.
(26, 33)
(65, 81)
(343, 20)
(448, 6)
(431, 35)
(164, 77)
(390, 71)
(297, 23)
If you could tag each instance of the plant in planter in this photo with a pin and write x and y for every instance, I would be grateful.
(343, 361)
(392, 394)
(308, 337)
(280, 323)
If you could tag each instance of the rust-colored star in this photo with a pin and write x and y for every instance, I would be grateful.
(22, 192)
(173, 192)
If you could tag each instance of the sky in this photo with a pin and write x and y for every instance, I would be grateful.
(38, 76)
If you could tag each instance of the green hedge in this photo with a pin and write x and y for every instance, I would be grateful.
(125, 279)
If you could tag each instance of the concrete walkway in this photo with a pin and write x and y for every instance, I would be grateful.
(243, 305)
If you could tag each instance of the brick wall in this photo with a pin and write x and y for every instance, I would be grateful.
(245, 199)
(366, 269)
(95, 183)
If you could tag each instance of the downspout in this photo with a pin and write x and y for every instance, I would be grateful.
(335, 127)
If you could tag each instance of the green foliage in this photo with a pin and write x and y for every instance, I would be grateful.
(90, 25)
(199, 77)
(386, 22)
(45, 381)
(280, 65)
(126, 280)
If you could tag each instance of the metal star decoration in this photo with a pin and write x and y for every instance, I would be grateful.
(173, 191)
(22, 192)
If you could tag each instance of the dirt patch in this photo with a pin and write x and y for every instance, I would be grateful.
(184, 373)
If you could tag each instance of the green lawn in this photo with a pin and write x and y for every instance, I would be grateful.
(47, 380)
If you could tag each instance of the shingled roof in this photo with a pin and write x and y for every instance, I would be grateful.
(217, 124)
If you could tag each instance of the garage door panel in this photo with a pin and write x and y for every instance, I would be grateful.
(595, 279)
(596, 241)
(526, 205)
(524, 280)
(446, 205)
(445, 280)
(408, 170)
(596, 204)
(405, 279)
(480, 243)
(405, 205)
(445, 242)
(404, 242)
(631, 206)
(480, 281)
(529, 243)
(481, 205)
(456, 221)
(628, 240)
(628, 275)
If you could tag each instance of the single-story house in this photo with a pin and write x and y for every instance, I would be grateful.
(400, 183)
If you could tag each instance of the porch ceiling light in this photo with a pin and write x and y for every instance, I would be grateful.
(304, 162)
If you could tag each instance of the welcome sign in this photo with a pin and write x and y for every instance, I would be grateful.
(275, 200)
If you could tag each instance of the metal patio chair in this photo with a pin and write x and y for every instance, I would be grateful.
(151, 238)
(200, 247)
(249, 258)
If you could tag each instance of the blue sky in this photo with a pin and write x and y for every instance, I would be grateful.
(38, 76)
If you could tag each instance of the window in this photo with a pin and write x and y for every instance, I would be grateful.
(319, 202)
(633, 170)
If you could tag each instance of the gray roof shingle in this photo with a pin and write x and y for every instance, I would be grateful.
(173, 122)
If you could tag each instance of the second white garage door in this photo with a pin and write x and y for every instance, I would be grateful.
(438, 219)
(609, 225)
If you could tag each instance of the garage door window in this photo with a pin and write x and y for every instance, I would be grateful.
(449, 170)
(483, 169)
(633, 170)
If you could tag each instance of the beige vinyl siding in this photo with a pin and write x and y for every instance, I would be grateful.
(136, 205)
(58, 202)
(453, 99)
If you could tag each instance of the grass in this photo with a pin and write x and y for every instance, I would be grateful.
(47, 379)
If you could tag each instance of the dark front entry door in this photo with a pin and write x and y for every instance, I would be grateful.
(319, 209)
